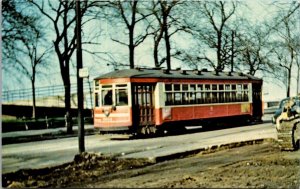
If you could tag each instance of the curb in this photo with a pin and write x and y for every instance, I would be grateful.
(207, 150)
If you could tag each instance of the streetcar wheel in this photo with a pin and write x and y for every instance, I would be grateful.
(148, 132)
(296, 136)
(153, 130)
(143, 131)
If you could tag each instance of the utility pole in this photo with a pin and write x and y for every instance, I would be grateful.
(79, 80)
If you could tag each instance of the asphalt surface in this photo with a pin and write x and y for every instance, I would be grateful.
(43, 134)
(49, 153)
(55, 133)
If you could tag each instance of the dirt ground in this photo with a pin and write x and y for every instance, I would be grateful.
(253, 166)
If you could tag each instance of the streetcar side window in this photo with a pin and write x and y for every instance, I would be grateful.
(96, 93)
(177, 98)
(200, 87)
(185, 87)
(169, 98)
(169, 94)
(227, 97)
(207, 87)
(221, 97)
(185, 94)
(239, 92)
(214, 87)
(198, 98)
(168, 87)
(192, 94)
(176, 87)
(199, 94)
(182, 94)
(214, 97)
(96, 100)
(245, 93)
(233, 93)
(96, 85)
(221, 87)
(227, 87)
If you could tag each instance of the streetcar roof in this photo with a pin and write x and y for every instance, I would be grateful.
(176, 74)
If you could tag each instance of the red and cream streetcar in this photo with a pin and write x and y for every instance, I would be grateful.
(144, 100)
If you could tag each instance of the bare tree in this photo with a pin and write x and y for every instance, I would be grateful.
(285, 48)
(254, 49)
(16, 25)
(62, 16)
(165, 10)
(33, 50)
(169, 22)
(22, 40)
(297, 52)
(211, 27)
(130, 14)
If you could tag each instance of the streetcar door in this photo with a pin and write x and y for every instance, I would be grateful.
(143, 104)
(257, 101)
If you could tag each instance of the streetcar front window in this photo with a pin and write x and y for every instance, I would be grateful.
(107, 100)
(107, 95)
(116, 95)
(121, 92)
(121, 97)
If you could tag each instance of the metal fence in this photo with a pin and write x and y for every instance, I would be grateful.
(48, 96)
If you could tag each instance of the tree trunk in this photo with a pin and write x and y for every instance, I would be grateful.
(131, 34)
(298, 81)
(168, 49)
(167, 39)
(66, 76)
(232, 50)
(159, 37)
(298, 76)
(219, 46)
(289, 82)
(155, 53)
(131, 48)
(33, 96)
(156, 44)
(67, 86)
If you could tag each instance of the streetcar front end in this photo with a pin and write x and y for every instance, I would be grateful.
(112, 111)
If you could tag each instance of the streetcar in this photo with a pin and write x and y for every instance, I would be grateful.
(143, 101)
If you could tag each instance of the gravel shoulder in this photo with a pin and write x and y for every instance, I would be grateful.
(252, 166)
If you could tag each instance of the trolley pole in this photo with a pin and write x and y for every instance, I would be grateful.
(79, 80)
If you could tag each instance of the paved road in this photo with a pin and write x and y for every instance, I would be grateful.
(42, 134)
(54, 152)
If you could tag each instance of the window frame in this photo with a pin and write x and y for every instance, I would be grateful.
(205, 93)
(114, 87)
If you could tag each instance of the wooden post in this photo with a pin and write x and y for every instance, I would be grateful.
(79, 80)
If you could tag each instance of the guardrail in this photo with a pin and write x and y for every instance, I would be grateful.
(48, 96)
